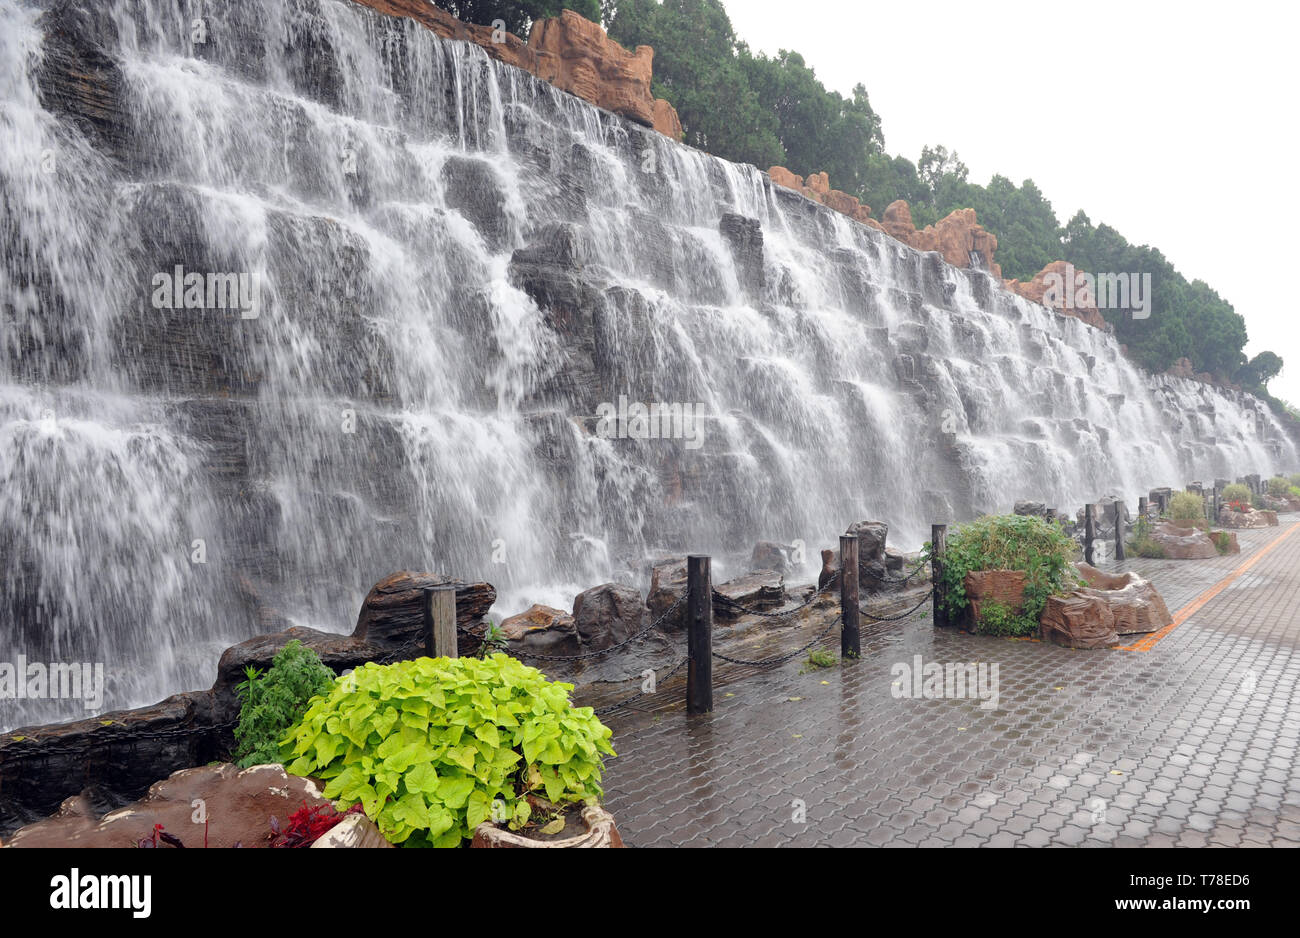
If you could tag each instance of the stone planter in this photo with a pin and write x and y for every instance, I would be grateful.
(1110, 606)
(1006, 587)
(600, 832)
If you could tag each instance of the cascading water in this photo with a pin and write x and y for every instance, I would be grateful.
(456, 266)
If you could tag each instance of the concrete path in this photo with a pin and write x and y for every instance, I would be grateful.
(1188, 737)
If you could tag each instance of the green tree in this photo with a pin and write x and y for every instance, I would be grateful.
(518, 15)
(698, 69)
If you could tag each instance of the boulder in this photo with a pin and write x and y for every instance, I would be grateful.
(1077, 621)
(768, 555)
(871, 539)
(830, 567)
(1183, 543)
(666, 120)
(239, 806)
(392, 616)
(607, 614)
(536, 618)
(764, 590)
(1030, 509)
(1247, 519)
(667, 587)
(1134, 603)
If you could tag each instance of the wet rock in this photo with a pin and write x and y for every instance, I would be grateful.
(745, 238)
(1133, 601)
(667, 587)
(768, 555)
(1183, 543)
(392, 616)
(1078, 622)
(537, 618)
(764, 590)
(607, 614)
(472, 188)
(239, 806)
(337, 652)
(1030, 509)
(871, 539)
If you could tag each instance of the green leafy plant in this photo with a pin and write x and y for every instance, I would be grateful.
(817, 659)
(1222, 541)
(1039, 548)
(1279, 486)
(433, 747)
(274, 701)
(494, 640)
(1295, 480)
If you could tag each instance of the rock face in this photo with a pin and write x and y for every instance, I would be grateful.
(1134, 603)
(1183, 543)
(958, 236)
(768, 555)
(818, 188)
(569, 51)
(1077, 621)
(392, 616)
(745, 238)
(1044, 289)
(239, 806)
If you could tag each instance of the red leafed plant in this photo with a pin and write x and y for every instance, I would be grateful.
(307, 824)
(1242, 507)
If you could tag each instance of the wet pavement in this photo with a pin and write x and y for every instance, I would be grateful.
(1185, 738)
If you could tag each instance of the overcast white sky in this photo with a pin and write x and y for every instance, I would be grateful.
(1173, 122)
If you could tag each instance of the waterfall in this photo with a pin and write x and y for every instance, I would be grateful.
(456, 266)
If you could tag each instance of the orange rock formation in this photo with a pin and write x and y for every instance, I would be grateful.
(569, 51)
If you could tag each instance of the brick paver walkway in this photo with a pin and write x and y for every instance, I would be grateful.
(1192, 742)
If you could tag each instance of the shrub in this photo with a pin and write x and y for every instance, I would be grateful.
(1008, 542)
(1222, 541)
(1295, 480)
(1294, 491)
(433, 747)
(1000, 619)
(1236, 492)
(1187, 506)
(275, 701)
(1278, 486)
(1142, 544)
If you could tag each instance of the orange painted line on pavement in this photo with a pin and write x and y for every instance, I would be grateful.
(1149, 641)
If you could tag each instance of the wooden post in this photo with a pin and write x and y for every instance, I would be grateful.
(938, 544)
(1120, 507)
(1089, 531)
(699, 634)
(850, 636)
(440, 622)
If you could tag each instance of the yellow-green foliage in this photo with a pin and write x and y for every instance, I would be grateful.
(433, 747)
(1236, 492)
(1187, 506)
